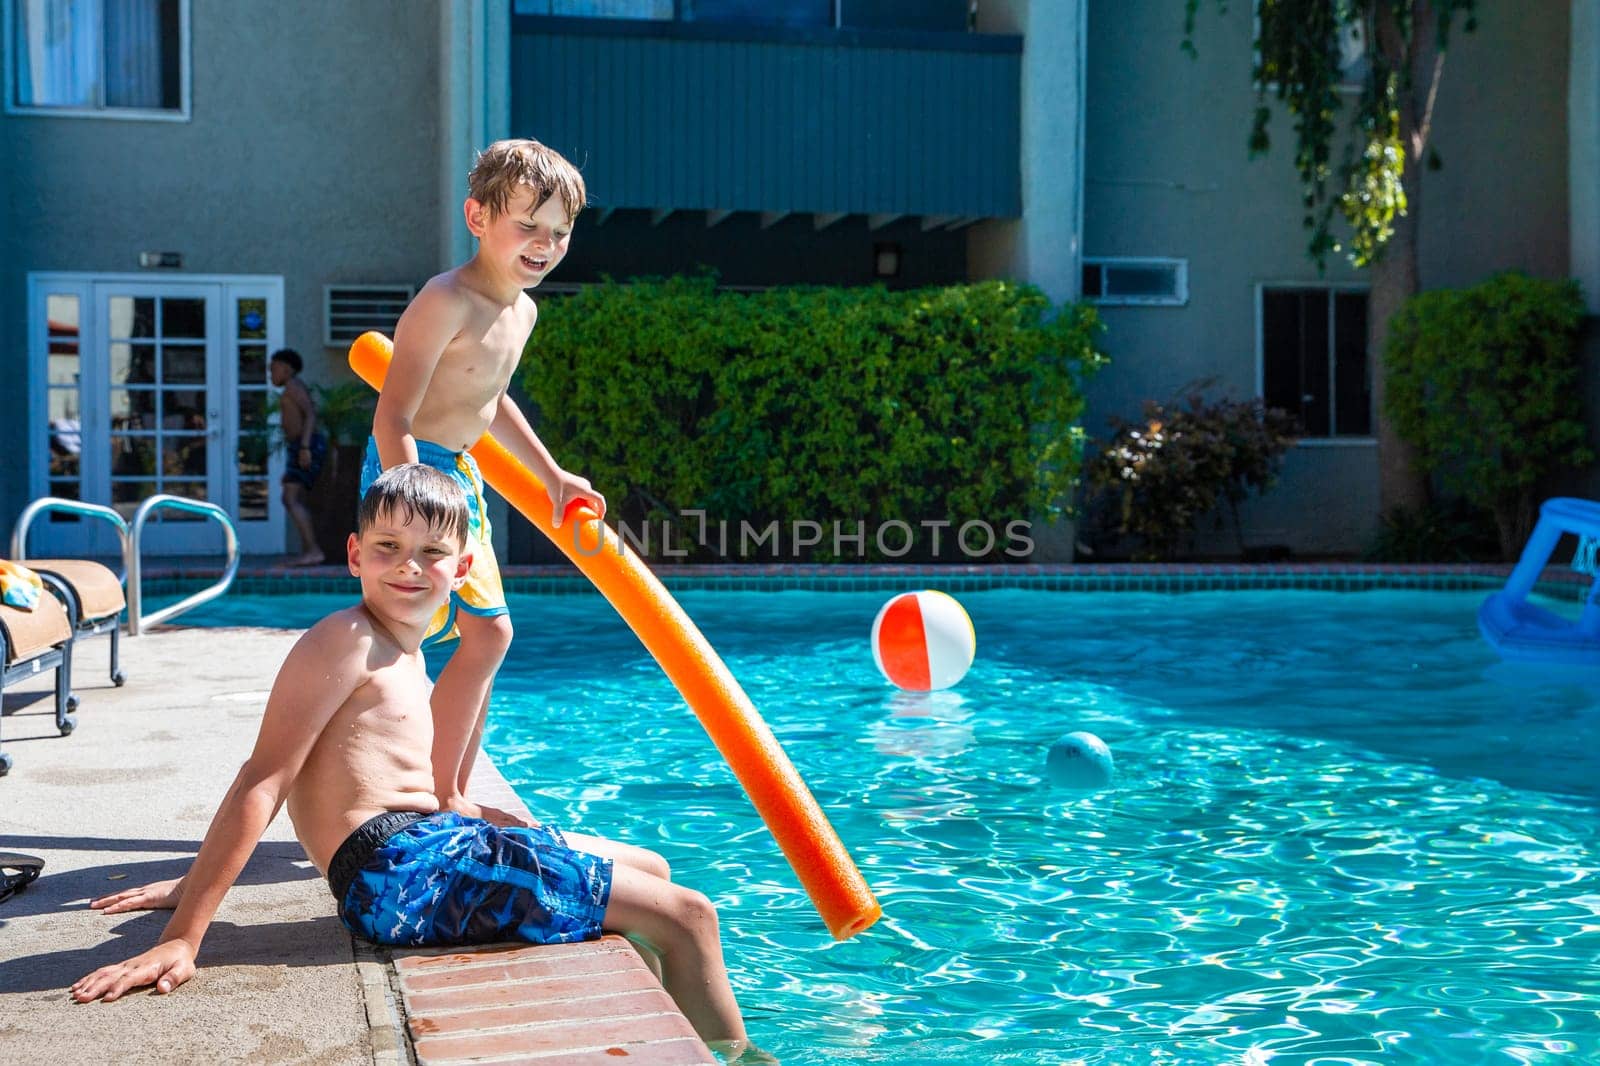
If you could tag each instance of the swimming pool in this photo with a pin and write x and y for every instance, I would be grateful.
(1341, 832)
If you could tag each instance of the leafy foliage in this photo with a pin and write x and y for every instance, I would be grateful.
(1484, 383)
(344, 411)
(815, 404)
(1157, 477)
(1299, 46)
(1445, 531)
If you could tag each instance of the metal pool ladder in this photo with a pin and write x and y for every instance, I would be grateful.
(132, 557)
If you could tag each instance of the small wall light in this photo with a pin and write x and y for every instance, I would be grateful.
(886, 260)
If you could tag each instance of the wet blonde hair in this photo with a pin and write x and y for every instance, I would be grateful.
(505, 166)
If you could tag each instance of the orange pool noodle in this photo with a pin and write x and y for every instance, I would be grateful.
(825, 869)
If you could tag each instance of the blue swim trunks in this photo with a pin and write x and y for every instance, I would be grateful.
(482, 593)
(305, 475)
(442, 879)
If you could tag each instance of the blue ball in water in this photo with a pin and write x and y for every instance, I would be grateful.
(1080, 761)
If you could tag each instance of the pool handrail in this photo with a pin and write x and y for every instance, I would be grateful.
(19, 533)
(129, 535)
(137, 621)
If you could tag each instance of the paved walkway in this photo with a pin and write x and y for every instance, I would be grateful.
(127, 798)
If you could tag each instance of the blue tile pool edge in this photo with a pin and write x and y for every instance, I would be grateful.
(1557, 582)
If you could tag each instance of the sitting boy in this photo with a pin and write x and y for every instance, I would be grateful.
(346, 741)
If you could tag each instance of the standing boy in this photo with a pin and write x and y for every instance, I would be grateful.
(305, 446)
(455, 348)
(345, 742)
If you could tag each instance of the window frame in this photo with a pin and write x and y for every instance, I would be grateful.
(1331, 287)
(8, 14)
(1180, 267)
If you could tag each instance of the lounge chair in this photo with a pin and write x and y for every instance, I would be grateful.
(94, 600)
(35, 640)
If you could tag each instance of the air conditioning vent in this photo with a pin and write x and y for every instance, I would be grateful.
(351, 310)
(1136, 281)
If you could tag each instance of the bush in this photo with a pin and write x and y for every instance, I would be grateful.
(816, 404)
(1484, 384)
(344, 411)
(1448, 531)
(1156, 478)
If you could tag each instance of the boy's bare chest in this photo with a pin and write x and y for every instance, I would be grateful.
(486, 352)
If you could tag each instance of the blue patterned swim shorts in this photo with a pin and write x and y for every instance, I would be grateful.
(442, 879)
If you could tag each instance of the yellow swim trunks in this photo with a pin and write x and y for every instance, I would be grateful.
(482, 594)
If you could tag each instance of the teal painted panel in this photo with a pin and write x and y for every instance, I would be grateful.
(849, 123)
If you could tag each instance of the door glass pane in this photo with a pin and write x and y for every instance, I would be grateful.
(66, 434)
(252, 319)
(252, 411)
(253, 500)
(183, 364)
(254, 451)
(132, 364)
(131, 316)
(252, 363)
(183, 317)
(183, 409)
(61, 315)
(183, 456)
(132, 455)
(133, 409)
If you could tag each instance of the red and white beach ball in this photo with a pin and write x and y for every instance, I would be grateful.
(923, 640)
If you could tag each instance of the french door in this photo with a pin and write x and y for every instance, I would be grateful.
(145, 386)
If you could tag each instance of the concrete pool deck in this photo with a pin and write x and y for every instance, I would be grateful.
(127, 798)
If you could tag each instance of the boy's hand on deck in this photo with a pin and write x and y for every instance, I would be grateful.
(167, 965)
(565, 488)
(157, 895)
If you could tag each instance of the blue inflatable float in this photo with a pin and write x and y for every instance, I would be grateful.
(1524, 632)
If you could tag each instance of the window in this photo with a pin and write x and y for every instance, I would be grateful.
(106, 58)
(1136, 281)
(1314, 358)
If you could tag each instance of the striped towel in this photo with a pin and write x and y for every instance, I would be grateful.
(19, 586)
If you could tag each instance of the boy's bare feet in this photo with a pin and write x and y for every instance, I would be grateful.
(742, 1053)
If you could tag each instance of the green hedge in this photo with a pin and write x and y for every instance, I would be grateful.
(819, 404)
(1484, 382)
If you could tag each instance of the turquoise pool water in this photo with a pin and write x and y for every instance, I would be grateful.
(1340, 833)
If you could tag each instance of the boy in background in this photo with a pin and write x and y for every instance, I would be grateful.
(306, 449)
